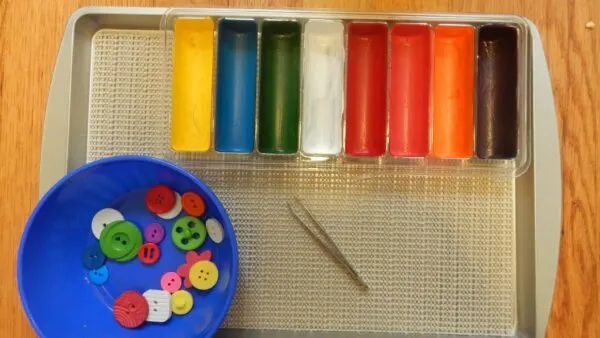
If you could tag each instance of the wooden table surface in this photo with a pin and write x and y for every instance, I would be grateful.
(30, 33)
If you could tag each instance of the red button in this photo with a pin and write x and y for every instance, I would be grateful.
(130, 309)
(193, 204)
(160, 199)
(149, 253)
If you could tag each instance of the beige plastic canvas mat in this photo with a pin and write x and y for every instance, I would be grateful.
(437, 252)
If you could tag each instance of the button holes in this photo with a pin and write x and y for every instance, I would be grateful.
(155, 309)
(124, 242)
(173, 280)
(202, 271)
(155, 231)
(184, 241)
(104, 225)
(196, 235)
(191, 224)
(169, 284)
(118, 238)
(179, 229)
(204, 278)
(133, 306)
(155, 302)
(207, 273)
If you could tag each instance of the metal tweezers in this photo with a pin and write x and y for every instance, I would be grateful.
(329, 246)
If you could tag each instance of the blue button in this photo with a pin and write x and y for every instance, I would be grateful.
(98, 276)
(93, 258)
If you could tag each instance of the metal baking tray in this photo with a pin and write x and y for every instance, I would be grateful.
(83, 123)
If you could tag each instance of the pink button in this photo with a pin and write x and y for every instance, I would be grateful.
(154, 233)
(171, 282)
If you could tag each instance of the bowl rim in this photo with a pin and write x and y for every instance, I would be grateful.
(131, 158)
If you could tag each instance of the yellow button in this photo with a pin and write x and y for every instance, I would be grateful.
(204, 275)
(181, 302)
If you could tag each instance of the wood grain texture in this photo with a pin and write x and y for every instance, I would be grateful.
(30, 33)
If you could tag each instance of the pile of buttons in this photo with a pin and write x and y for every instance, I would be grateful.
(121, 240)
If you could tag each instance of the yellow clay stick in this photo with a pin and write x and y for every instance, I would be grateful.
(191, 120)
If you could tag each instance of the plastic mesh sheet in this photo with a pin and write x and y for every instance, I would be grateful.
(437, 251)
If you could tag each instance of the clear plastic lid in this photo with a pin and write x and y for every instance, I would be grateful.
(310, 90)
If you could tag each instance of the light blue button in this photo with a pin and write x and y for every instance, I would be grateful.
(98, 276)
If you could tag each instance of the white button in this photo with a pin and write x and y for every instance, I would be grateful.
(215, 230)
(175, 211)
(103, 218)
(159, 305)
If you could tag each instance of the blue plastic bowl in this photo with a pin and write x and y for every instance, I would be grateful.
(56, 294)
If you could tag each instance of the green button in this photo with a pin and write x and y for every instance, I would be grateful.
(138, 241)
(120, 240)
(188, 233)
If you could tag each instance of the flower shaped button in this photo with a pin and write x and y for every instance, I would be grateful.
(192, 258)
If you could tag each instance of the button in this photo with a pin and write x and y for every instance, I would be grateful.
(121, 240)
(129, 256)
(93, 258)
(130, 309)
(170, 281)
(160, 199)
(204, 275)
(149, 253)
(193, 204)
(159, 303)
(181, 302)
(154, 233)
(103, 218)
(98, 276)
(191, 257)
(215, 230)
(188, 233)
(175, 211)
